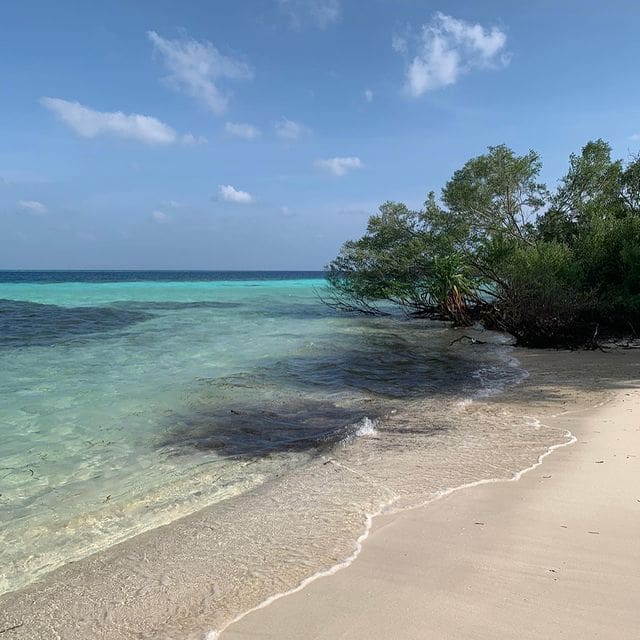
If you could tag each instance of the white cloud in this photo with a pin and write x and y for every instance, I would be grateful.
(289, 130)
(635, 137)
(196, 67)
(448, 48)
(190, 140)
(340, 166)
(318, 13)
(242, 130)
(33, 206)
(231, 194)
(160, 217)
(89, 123)
(368, 95)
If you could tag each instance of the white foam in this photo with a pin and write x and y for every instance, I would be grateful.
(464, 403)
(571, 439)
(212, 635)
(493, 381)
(366, 427)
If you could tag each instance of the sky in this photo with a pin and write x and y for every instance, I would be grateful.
(261, 134)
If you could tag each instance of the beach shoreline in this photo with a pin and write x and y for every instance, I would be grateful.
(388, 511)
(155, 586)
(553, 554)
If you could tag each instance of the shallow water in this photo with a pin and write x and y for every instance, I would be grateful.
(127, 404)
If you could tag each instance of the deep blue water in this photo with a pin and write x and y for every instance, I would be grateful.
(153, 276)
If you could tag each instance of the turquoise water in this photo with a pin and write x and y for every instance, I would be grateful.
(130, 400)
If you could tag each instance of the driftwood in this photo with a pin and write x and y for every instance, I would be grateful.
(15, 626)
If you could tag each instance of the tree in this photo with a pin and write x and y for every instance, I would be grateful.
(497, 196)
(441, 259)
(549, 268)
(385, 264)
(631, 186)
(591, 188)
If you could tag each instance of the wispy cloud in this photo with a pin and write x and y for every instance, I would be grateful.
(286, 212)
(173, 204)
(160, 217)
(196, 68)
(242, 130)
(190, 140)
(231, 194)
(339, 166)
(33, 207)
(317, 13)
(289, 130)
(447, 48)
(399, 43)
(368, 95)
(89, 123)
(635, 137)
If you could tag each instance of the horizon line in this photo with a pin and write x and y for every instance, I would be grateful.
(3, 269)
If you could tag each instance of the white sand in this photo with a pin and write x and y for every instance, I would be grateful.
(553, 555)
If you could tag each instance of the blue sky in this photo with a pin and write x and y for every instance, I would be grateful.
(261, 134)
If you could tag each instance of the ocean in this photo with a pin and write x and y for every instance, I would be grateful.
(130, 401)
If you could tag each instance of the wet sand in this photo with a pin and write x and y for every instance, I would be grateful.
(555, 554)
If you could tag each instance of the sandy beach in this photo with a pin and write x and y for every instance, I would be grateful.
(554, 554)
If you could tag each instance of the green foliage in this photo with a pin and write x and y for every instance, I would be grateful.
(497, 195)
(608, 250)
(395, 260)
(387, 263)
(541, 305)
(551, 269)
(591, 188)
(452, 287)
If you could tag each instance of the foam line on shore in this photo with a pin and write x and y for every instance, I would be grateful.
(385, 508)
(570, 439)
(214, 634)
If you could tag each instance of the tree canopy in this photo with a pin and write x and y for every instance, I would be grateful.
(497, 246)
